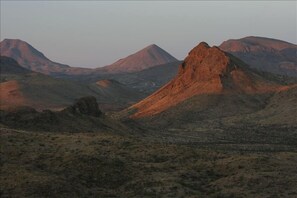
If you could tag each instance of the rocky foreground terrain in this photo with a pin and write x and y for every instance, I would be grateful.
(104, 164)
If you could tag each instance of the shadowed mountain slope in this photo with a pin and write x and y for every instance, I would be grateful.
(33, 89)
(115, 95)
(145, 81)
(148, 80)
(9, 65)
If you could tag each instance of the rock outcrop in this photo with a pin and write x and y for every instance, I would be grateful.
(205, 71)
(83, 115)
(86, 105)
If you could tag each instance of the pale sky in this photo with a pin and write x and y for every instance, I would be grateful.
(97, 33)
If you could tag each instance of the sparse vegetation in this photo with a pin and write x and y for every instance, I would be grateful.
(103, 164)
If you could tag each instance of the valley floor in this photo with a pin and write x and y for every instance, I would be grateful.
(103, 164)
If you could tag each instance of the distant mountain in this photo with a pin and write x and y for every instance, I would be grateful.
(150, 56)
(208, 78)
(21, 87)
(146, 70)
(29, 57)
(265, 54)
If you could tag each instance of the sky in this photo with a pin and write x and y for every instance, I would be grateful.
(97, 33)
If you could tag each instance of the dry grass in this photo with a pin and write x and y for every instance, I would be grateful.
(107, 165)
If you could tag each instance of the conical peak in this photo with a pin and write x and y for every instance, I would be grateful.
(14, 42)
(205, 61)
(203, 46)
(147, 57)
(203, 50)
(153, 46)
(25, 50)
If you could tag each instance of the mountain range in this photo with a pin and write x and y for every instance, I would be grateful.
(29, 57)
(138, 70)
(140, 74)
(264, 54)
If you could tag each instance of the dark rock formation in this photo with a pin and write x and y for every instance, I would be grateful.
(83, 115)
(86, 105)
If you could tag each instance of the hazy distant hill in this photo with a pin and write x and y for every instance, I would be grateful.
(150, 56)
(29, 57)
(265, 54)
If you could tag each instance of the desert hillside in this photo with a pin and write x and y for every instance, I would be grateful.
(265, 54)
(207, 72)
